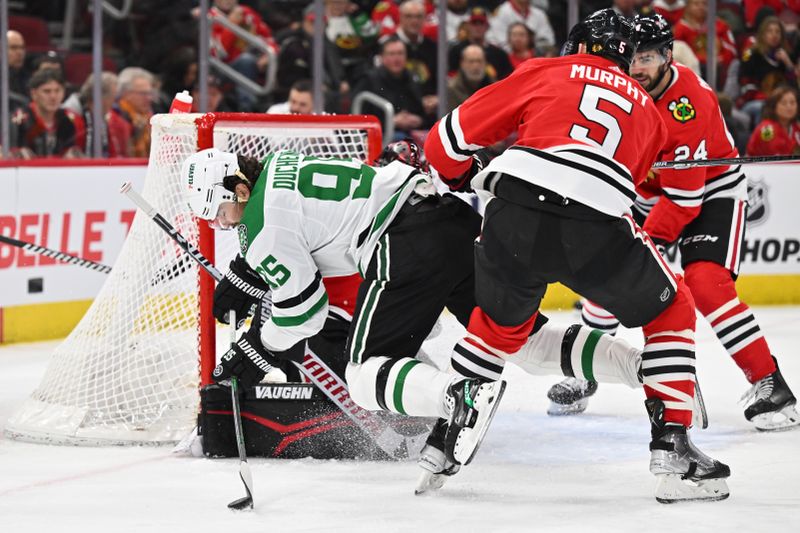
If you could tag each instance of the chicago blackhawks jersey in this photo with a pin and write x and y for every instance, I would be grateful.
(309, 218)
(585, 130)
(696, 130)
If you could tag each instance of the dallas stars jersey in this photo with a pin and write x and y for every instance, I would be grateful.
(309, 218)
(585, 129)
(696, 130)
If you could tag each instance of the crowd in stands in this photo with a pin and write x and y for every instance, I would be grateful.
(386, 47)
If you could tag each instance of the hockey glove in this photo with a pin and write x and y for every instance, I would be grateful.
(462, 183)
(241, 290)
(249, 360)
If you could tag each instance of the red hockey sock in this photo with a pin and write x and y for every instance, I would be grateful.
(668, 357)
(732, 320)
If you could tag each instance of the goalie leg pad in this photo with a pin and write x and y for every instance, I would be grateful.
(404, 385)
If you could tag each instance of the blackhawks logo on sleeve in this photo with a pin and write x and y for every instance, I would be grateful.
(682, 110)
(767, 133)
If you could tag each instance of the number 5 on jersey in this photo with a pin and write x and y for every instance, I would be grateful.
(590, 100)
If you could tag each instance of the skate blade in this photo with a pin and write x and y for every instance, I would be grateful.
(429, 482)
(783, 420)
(467, 442)
(575, 408)
(671, 488)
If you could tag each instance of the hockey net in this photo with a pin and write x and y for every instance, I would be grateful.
(130, 370)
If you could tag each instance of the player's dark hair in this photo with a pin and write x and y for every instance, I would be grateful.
(251, 168)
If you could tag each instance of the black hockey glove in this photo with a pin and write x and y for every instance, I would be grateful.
(241, 290)
(249, 360)
(462, 183)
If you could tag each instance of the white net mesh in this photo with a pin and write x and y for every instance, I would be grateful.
(129, 372)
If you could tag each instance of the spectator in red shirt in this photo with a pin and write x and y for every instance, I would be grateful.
(44, 129)
(692, 30)
(237, 52)
(521, 43)
(672, 10)
(779, 132)
(752, 7)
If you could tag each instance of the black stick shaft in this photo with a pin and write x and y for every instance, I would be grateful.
(185, 245)
(55, 254)
(725, 161)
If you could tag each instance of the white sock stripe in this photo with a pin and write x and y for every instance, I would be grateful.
(651, 347)
(477, 352)
(743, 318)
(721, 310)
(596, 310)
(475, 369)
(678, 406)
(681, 397)
(667, 361)
(744, 328)
(744, 343)
(487, 349)
(684, 333)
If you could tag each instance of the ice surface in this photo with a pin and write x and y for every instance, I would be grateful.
(533, 473)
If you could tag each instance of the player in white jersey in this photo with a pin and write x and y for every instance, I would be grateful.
(303, 218)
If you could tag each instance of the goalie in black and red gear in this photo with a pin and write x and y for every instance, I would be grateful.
(560, 210)
(702, 210)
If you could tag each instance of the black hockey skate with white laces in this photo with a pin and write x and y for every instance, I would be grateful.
(570, 396)
(474, 402)
(684, 473)
(435, 466)
(774, 406)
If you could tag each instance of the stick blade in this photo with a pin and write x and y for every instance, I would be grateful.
(242, 503)
(247, 480)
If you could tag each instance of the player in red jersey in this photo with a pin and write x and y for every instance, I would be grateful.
(702, 209)
(560, 210)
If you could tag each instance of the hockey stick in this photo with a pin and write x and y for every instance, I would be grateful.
(725, 161)
(55, 254)
(371, 423)
(151, 212)
(244, 467)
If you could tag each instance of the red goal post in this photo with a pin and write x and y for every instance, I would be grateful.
(370, 147)
(130, 371)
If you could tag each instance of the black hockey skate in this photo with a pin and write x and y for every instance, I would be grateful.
(684, 473)
(435, 466)
(774, 406)
(474, 402)
(570, 396)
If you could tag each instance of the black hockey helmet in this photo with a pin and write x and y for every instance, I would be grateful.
(606, 34)
(406, 151)
(652, 32)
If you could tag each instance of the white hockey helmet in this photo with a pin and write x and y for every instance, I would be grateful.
(202, 174)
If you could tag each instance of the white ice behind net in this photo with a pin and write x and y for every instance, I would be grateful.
(129, 372)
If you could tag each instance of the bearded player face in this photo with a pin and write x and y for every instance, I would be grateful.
(648, 68)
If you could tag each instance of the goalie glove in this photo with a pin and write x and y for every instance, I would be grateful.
(248, 360)
(241, 290)
(462, 183)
